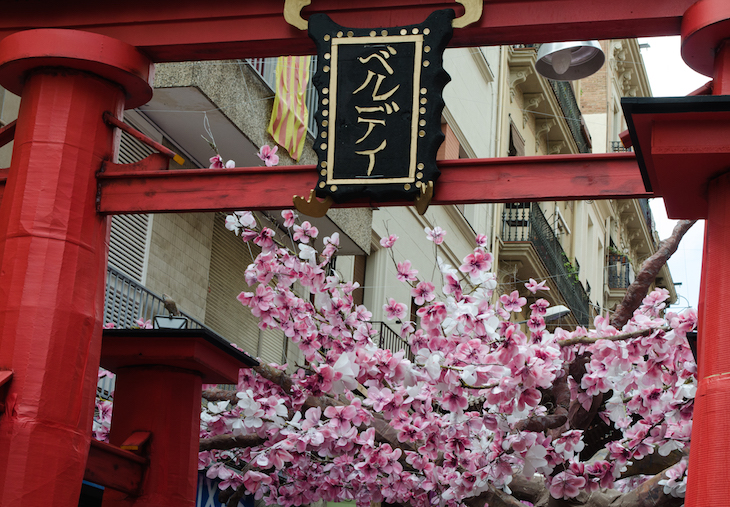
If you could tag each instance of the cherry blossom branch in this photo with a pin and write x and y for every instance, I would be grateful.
(226, 442)
(647, 274)
(617, 337)
(649, 494)
(653, 463)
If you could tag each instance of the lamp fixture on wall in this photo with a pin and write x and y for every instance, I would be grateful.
(569, 61)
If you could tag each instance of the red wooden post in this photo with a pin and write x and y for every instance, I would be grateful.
(706, 46)
(160, 374)
(53, 252)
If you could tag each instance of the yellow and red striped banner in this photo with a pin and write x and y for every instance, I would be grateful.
(288, 125)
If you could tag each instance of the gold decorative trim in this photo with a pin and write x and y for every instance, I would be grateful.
(293, 13)
(424, 199)
(472, 13)
(417, 40)
(312, 207)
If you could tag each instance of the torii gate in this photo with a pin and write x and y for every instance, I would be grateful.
(99, 56)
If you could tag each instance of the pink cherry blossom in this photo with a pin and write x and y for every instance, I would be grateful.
(533, 286)
(540, 307)
(423, 293)
(305, 232)
(455, 396)
(268, 155)
(436, 234)
(566, 485)
(143, 324)
(216, 162)
(395, 310)
(405, 273)
(512, 302)
(476, 262)
(289, 217)
(389, 241)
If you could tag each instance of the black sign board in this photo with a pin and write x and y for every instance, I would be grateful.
(380, 107)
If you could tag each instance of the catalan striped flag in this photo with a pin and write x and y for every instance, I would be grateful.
(288, 125)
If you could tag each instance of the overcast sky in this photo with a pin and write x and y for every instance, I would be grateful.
(670, 77)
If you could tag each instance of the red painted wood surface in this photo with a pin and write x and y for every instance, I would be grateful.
(178, 30)
(600, 176)
(115, 468)
(7, 133)
(52, 267)
(711, 425)
(53, 263)
(159, 379)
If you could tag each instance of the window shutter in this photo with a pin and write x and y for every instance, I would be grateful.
(224, 314)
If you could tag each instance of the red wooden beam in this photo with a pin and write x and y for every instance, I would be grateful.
(7, 133)
(127, 189)
(178, 30)
(114, 468)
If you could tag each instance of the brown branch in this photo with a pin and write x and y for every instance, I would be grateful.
(649, 494)
(614, 338)
(532, 490)
(274, 375)
(220, 395)
(653, 463)
(648, 272)
(226, 442)
(384, 433)
(232, 497)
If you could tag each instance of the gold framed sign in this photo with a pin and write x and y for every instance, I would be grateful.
(380, 104)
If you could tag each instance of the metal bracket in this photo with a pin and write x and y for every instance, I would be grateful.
(312, 206)
(293, 13)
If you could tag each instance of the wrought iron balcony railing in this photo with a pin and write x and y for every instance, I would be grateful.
(620, 272)
(127, 301)
(618, 146)
(571, 112)
(526, 222)
(646, 213)
(390, 340)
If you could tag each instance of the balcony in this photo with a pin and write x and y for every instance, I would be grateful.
(571, 112)
(127, 301)
(647, 216)
(524, 224)
(390, 340)
(620, 272)
(618, 147)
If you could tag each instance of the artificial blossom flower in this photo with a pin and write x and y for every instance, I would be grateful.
(268, 155)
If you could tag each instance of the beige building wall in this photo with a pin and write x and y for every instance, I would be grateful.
(179, 259)
(412, 245)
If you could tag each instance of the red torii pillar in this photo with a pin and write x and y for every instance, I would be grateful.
(706, 41)
(53, 249)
